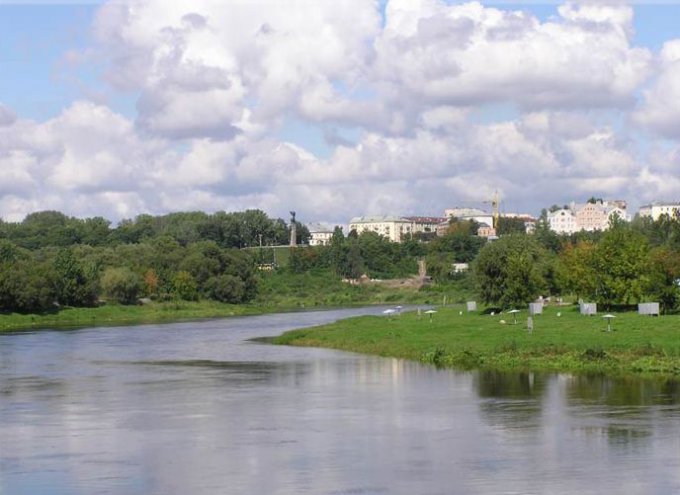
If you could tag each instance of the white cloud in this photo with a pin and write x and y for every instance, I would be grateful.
(17, 173)
(660, 111)
(202, 65)
(7, 117)
(217, 80)
(468, 54)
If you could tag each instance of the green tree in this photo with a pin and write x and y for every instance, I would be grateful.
(510, 225)
(664, 277)
(613, 270)
(122, 285)
(462, 246)
(576, 269)
(184, 286)
(73, 287)
(26, 286)
(620, 266)
(337, 251)
(509, 272)
(226, 288)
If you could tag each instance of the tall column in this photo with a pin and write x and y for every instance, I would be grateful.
(293, 230)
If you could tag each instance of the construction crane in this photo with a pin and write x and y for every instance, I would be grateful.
(495, 205)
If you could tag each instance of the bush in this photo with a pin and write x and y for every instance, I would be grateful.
(226, 288)
(122, 285)
(184, 286)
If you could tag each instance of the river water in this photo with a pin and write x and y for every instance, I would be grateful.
(196, 408)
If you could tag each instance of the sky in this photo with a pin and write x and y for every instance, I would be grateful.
(335, 109)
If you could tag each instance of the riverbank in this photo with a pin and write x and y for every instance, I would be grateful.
(279, 293)
(116, 314)
(562, 341)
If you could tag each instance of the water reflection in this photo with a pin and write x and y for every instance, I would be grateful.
(196, 408)
(623, 391)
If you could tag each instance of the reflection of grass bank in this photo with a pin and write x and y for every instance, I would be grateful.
(572, 343)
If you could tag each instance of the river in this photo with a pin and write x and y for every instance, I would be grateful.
(197, 408)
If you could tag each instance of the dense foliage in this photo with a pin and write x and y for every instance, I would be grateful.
(510, 272)
(50, 260)
(626, 264)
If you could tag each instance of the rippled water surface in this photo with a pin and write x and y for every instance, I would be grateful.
(196, 408)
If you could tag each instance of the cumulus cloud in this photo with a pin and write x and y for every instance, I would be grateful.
(203, 66)
(216, 82)
(658, 111)
(469, 54)
(7, 117)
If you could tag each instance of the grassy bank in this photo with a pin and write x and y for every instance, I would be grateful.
(321, 289)
(115, 314)
(278, 292)
(569, 342)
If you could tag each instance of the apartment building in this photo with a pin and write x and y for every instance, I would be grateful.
(658, 208)
(319, 235)
(395, 228)
(589, 216)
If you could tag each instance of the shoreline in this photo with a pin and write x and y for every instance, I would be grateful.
(640, 346)
(150, 313)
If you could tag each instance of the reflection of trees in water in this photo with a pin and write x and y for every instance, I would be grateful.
(514, 399)
(622, 391)
(510, 385)
(624, 412)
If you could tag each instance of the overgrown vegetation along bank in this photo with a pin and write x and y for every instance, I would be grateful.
(319, 288)
(280, 292)
(117, 314)
(566, 343)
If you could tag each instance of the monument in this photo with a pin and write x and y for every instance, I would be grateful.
(293, 230)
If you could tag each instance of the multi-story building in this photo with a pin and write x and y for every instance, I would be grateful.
(562, 221)
(486, 230)
(425, 224)
(658, 208)
(394, 228)
(391, 227)
(588, 216)
(319, 235)
(592, 216)
(464, 213)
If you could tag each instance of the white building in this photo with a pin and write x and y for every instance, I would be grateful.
(425, 224)
(562, 221)
(394, 228)
(588, 216)
(319, 235)
(464, 213)
(658, 208)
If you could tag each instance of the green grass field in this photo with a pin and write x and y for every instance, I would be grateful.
(569, 342)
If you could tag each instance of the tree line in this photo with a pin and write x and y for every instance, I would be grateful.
(377, 257)
(51, 260)
(626, 264)
(229, 230)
